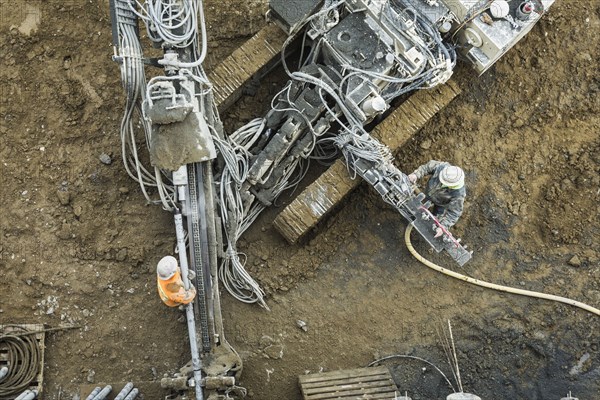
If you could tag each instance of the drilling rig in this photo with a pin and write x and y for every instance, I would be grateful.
(356, 58)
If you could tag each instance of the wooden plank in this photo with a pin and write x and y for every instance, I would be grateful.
(381, 396)
(361, 383)
(356, 379)
(344, 374)
(340, 388)
(253, 57)
(359, 393)
(321, 197)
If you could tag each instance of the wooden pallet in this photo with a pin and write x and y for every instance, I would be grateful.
(37, 383)
(361, 383)
(318, 199)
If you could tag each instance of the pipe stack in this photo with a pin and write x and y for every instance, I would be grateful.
(127, 393)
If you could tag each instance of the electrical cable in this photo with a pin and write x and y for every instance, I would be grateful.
(238, 202)
(414, 358)
(24, 355)
(494, 286)
(175, 24)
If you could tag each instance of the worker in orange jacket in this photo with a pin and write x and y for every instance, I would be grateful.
(170, 285)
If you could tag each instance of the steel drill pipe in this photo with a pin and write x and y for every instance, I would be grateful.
(125, 391)
(132, 395)
(94, 393)
(28, 395)
(103, 393)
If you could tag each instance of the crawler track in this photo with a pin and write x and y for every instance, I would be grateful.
(321, 197)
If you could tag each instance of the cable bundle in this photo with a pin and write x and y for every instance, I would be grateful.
(24, 356)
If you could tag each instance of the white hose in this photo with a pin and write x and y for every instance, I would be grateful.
(494, 286)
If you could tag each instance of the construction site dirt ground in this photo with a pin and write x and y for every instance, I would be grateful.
(79, 245)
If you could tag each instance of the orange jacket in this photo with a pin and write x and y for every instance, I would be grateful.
(172, 291)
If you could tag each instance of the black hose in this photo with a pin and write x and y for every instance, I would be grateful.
(24, 355)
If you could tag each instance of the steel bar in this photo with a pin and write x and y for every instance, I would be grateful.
(125, 391)
(189, 308)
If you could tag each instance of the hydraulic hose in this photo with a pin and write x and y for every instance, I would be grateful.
(489, 285)
(23, 359)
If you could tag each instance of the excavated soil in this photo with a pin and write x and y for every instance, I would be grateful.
(78, 244)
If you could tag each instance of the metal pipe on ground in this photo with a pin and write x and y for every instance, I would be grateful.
(132, 395)
(125, 391)
(94, 393)
(28, 395)
(189, 309)
(103, 393)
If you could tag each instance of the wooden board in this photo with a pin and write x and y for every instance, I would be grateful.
(361, 383)
(319, 198)
(38, 382)
(248, 61)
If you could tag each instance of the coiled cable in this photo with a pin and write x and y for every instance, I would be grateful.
(24, 355)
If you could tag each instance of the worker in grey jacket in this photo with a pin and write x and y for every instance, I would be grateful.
(445, 189)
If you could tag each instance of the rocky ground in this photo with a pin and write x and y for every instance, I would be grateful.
(79, 245)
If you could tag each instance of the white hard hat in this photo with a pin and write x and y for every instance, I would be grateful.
(166, 267)
(453, 177)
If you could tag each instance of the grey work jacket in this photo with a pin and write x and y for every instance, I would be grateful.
(452, 200)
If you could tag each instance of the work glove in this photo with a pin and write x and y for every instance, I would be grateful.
(412, 178)
(438, 232)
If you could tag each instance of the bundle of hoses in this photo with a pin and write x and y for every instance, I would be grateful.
(494, 286)
(23, 360)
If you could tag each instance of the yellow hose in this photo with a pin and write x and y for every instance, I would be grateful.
(492, 285)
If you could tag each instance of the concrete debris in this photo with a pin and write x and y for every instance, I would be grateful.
(302, 325)
(121, 255)
(583, 365)
(575, 261)
(105, 159)
(64, 197)
(49, 305)
(274, 352)
(266, 341)
(91, 376)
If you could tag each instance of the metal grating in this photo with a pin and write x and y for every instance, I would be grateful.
(37, 383)
(362, 383)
